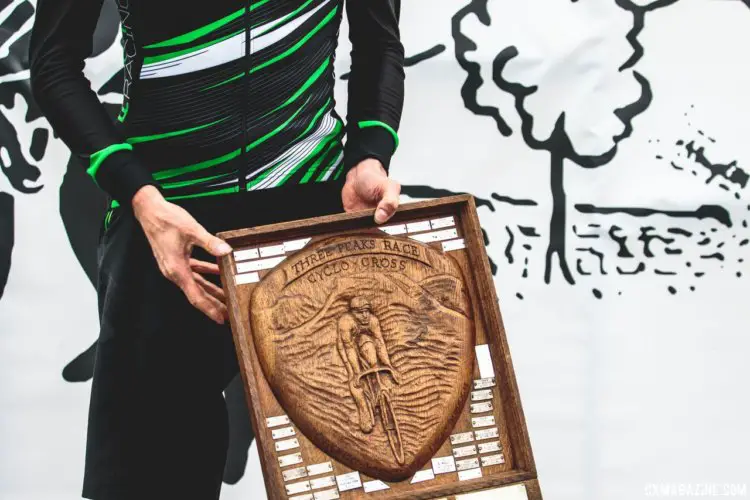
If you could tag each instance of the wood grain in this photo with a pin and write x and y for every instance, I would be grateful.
(468, 263)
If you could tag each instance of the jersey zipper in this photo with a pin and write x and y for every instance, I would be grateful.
(245, 93)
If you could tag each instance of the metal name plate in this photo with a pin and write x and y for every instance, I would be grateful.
(481, 407)
(493, 460)
(322, 468)
(350, 481)
(292, 474)
(490, 447)
(287, 444)
(322, 482)
(376, 485)
(423, 475)
(483, 421)
(464, 437)
(469, 463)
(327, 494)
(287, 460)
(283, 433)
(465, 475)
(277, 421)
(443, 464)
(482, 395)
(486, 434)
(294, 488)
(465, 451)
(484, 383)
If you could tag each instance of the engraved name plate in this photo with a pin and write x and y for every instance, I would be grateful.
(486, 434)
(322, 482)
(443, 464)
(282, 433)
(350, 481)
(483, 421)
(423, 475)
(292, 474)
(482, 395)
(468, 463)
(332, 494)
(484, 383)
(287, 460)
(464, 437)
(465, 475)
(376, 485)
(490, 447)
(481, 407)
(465, 451)
(493, 460)
(306, 496)
(294, 488)
(287, 444)
(322, 468)
(277, 421)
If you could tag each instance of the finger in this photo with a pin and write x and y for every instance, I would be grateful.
(203, 267)
(209, 287)
(389, 202)
(210, 243)
(201, 300)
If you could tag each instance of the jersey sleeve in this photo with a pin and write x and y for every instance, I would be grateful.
(61, 40)
(376, 82)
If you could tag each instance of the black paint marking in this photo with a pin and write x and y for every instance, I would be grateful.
(699, 275)
(514, 201)
(7, 234)
(584, 236)
(672, 290)
(729, 171)
(680, 231)
(527, 246)
(474, 80)
(509, 246)
(596, 254)
(39, 140)
(597, 293)
(529, 231)
(414, 59)
(715, 212)
(673, 251)
(744, 242)
(664, 273)
(519, 295)
(705, 241)
(716, 256)
(579, 268)
(692, 288)
(641, 267)
(647, 238)
(620, 240)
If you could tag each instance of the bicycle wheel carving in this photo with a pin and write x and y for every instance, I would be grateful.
(367, 343)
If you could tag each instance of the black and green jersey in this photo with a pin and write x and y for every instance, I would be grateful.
(222, 96)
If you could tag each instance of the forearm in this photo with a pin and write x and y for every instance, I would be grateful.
(376, 84)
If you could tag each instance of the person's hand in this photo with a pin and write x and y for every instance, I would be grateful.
(368, 186)
(172, 233)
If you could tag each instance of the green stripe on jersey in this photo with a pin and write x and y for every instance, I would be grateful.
(310, 81)
(191, 182)
(174, 172)
(232, 189)
(377, 123)
(283, 19)
(167, 135)
(178, 53)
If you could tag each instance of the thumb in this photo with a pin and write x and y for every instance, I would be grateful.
(389, 202)
(211, 244)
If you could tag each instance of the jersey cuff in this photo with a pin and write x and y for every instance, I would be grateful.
(117, 171)
(371, 140)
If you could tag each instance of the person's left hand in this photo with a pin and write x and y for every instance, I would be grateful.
(368, 186)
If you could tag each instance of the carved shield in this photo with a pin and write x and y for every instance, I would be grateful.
(367, 342)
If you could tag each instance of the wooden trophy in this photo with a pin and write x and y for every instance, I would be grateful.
(374, 358)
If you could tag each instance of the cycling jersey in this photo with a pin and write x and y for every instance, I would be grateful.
(222, 96)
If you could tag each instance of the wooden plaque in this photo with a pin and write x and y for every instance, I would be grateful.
(374, 357)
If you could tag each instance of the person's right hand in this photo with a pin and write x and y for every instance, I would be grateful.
(172, 233)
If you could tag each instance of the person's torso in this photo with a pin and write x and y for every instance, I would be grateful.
(210, 113)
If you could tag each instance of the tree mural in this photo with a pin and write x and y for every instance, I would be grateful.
(569, 107)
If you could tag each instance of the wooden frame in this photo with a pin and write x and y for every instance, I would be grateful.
(519, 466)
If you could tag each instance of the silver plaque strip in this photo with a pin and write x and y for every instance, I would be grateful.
(415, 227)
(306, 496)
(483, 407)
(469, 463)
(486, 434)
(327, 494)
(376, 485)
(272, 251)
(282, 433)
(483, 421)
(464, 437)
(423, 475)
(292, 474)
(444, 222)
(443, 464)
(445, 234)
(482, 395)
(465, 475)
(451, 245)
(322, 482)
(350, 481)
(287, 460)
(259, 265)
(493, 460)
(484, 383)
(465, 451)
(277, 421)
(322, 468)
(492, 447)
(292, 246)
(294, 488)
(287, 444)
(247, 254)
(395, 229)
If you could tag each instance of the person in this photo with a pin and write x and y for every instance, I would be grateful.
(228, 120)
(363, 349)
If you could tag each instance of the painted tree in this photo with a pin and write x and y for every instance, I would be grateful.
(568, 64)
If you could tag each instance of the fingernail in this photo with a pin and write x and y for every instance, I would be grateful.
(380, 216)
(224, 248)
